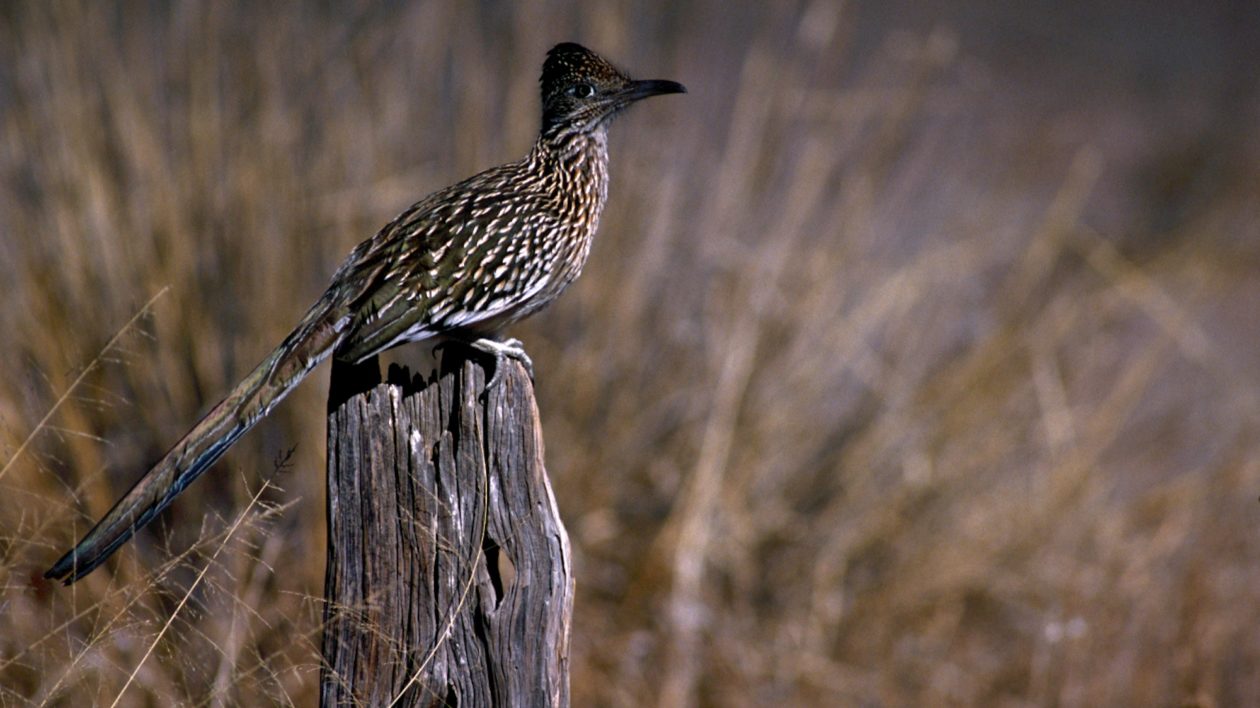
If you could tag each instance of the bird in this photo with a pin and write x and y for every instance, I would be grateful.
(459, 265)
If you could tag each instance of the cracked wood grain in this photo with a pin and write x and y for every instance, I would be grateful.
(448, 578)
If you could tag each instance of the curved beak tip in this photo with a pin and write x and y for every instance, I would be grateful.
(653, 87)
(671, 87)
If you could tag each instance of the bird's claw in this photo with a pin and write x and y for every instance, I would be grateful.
(502, 351)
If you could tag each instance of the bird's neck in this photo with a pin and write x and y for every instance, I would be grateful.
(573, 152)
(578, 163)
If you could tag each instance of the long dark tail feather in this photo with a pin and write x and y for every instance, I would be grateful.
(313, 340)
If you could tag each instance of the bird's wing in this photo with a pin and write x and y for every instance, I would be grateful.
(423, 282)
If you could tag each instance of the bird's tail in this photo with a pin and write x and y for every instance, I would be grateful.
(314, 339)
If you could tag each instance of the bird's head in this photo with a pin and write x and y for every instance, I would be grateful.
(581, 91)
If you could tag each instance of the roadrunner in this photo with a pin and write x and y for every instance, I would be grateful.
(461, 264)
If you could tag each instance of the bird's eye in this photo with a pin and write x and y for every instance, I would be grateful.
(581, 91)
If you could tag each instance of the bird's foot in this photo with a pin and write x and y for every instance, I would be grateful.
(501, 351)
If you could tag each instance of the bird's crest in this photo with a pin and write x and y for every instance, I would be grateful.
(570, 64)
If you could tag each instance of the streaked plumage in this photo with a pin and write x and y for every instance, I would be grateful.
(462, 263)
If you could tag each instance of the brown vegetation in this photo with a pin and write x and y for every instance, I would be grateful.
(885, 385)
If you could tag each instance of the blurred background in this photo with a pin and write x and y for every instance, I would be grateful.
(915, 363)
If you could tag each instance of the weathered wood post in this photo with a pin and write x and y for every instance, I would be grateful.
(448, 578)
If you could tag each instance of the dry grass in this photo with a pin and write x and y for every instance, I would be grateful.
(868, 396)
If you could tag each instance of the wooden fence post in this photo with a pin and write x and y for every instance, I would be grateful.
(448, 579)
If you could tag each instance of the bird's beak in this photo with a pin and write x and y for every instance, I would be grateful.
(654, 87)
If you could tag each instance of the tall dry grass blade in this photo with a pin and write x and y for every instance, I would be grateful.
(187, 594)
(96, 360)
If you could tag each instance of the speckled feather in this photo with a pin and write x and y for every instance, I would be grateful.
(465, 261)
(481, 254)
